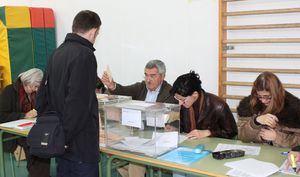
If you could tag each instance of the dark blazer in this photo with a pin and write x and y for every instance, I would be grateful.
(10, 110)
(216, 117)
(72, 77)
(138, 91)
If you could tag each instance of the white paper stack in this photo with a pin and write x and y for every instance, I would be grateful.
(251, 168)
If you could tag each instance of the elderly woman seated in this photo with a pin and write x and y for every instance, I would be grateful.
(17, 101)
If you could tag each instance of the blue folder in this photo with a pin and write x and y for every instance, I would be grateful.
(184, 155)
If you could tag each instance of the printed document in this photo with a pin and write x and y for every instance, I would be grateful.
(131, 117)
(253, 167)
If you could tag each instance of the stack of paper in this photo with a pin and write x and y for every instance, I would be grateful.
(251, 168)
(159, 144)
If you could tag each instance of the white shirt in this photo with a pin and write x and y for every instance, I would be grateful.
(152, 95)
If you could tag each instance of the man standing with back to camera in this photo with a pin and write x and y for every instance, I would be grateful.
(72, 71)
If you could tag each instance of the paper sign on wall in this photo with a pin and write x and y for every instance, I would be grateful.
(132, 117)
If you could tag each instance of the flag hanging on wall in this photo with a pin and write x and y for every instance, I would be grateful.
(27, 39)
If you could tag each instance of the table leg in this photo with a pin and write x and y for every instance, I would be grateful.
(100, 169)
(108, 166)
(159, 173)
(2, 165)
(151, 171)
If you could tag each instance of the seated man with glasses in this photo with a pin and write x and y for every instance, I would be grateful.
(153, 89)
(270, 114)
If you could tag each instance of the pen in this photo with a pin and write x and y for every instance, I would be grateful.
(293, 162)
(284, 153)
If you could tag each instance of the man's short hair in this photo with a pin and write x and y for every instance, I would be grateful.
(161, 67)
(85, 20)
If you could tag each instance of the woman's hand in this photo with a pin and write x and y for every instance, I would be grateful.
(268, 119)
(268, 134)
(198, 134)
(296, 158)
(31, 114)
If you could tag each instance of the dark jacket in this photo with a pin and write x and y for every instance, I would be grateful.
(72, 77)
(288, 130)
(138, 91)
(216, 117)
(10, 110)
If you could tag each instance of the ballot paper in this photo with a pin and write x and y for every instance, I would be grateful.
(108, 72)
(252, 167)
(159, 144)
(249, 150)
(165, 139)
(238, 173)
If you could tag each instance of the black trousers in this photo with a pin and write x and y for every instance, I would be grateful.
(36, 166)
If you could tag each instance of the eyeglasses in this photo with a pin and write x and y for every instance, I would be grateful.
(185, 100)
(180, 99)
(264, 97)
(151, 76)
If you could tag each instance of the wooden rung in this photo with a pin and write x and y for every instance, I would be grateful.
(233, 97)
(265, 40)
(234, 83)
(261, 55)
(233, 110)
(259, 12)
(268, 26)
(259, 70)
(232, 0)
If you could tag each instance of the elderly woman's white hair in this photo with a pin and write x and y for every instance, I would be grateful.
(32, 76)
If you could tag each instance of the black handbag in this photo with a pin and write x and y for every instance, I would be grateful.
(46, 138)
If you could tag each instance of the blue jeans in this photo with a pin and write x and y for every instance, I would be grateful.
(67, 168)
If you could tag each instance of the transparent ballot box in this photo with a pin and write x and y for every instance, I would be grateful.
(104, 99)
(140, 127)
